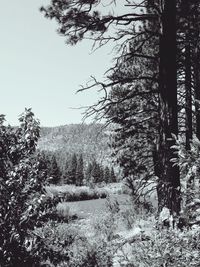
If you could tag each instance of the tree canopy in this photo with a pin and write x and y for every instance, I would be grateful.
(150, 91)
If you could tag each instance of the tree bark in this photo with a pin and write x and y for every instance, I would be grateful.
(197, 90)
(188, 94)
(188, 75)
(169, 177)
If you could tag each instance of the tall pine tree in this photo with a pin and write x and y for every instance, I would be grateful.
(79, 171)
(72, 170)
(55, 174)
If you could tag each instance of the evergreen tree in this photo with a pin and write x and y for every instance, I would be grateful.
(101, 173)
(65, 173)
(79, 171)
(96, 172)
(156, 54)
(169, 175)
(107, 175)
(88, 173)
(133, 76)
(72, 170)
(55, 174)
(113, 178)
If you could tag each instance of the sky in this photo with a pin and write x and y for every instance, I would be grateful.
(39, 71)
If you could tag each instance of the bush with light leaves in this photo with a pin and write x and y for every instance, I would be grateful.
(23, 202)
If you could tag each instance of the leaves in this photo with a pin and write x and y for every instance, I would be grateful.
(21, 192)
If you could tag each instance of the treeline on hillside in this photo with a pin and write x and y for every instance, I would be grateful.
(90, 140)
(75, 171)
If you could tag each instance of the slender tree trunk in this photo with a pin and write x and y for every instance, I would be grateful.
(197, 90)
(169, 178)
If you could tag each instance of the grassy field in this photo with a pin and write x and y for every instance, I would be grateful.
(88, 208)
(95, 207)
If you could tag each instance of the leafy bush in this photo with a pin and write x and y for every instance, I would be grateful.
(52, 242)
(163, 248)
(105, 226)
(64, 245)
(23, 202)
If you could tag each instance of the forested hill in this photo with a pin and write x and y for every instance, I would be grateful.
(91, 140)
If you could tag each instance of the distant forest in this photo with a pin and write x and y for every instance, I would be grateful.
(76, 154)
(76, 171)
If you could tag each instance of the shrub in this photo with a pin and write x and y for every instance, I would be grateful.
(19, 182)
(105, 226)
(77, 193)
(89, 254)
(23, 202)
(163, 248)
(64, 245)
(52, 243)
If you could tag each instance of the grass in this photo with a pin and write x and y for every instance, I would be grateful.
(76, 193)
(87, 208)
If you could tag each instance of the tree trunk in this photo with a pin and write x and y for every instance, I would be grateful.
(169, 178)
(188, 75)
(188, 94)
(197, 90)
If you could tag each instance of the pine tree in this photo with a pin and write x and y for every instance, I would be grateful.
(55, 174)
(144, 72)
(169, 175)
(65, 173)
(88, 173)
(96, 172)
(79, 171)
(72, 170)
(102, 173)
(113, 178)
(107, 175)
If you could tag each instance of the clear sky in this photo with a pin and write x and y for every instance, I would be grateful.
(37, 68)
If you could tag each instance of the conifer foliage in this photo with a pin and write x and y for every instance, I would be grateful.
(80, 171)
(54, 171)
(76, 170)
(153, 87)
(72, 170)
